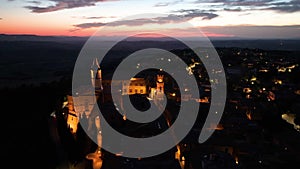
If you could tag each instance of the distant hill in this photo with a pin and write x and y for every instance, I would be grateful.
(31, 59)
(265, 44)
(25, 37)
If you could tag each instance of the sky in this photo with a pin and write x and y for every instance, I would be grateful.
(213, 18)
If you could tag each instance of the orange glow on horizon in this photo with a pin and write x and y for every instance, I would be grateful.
(54, 27)
(44, 31)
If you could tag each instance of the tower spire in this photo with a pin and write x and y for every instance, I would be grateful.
(96, 74)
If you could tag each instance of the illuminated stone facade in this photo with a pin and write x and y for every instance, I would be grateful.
(134, 86)
(158, 92)
(72, 117)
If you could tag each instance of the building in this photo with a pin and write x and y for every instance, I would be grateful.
(79, 106)
(158, 92)
(72, 116)
(134, 86)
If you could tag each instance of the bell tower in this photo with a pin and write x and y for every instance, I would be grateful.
(160, 83)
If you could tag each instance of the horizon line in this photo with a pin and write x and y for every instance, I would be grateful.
(139, 37)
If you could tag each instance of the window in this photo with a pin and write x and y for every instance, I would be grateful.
(86, 105)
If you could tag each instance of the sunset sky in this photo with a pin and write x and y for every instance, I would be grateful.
(215, 18)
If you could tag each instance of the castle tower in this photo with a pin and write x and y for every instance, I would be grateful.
(98, 82)
(96, 75)
(94, 67)
(72, 117)
(160, 83)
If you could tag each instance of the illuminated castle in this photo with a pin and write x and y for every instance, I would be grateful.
(85, 100)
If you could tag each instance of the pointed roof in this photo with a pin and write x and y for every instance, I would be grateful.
(95, 63)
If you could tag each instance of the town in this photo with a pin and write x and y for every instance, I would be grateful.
(260, 114)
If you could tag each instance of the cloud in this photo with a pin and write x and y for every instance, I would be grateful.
(169, 19)
(89, 25)
(247, 2)
(195, 13)
(133, 22)
(162, 4)
(93, 17)
(35, 2)
(0, 18)
(142, 21)
(289, 7)
(233, 9)
(235, 5)
(62, 4)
